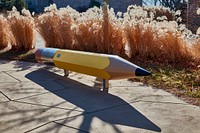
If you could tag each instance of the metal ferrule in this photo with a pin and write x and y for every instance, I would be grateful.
(45, 55)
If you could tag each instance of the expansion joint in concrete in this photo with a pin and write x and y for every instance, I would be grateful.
(38, 127)
(44, 105)
(70, 127)
(5, 96)
(12, 76)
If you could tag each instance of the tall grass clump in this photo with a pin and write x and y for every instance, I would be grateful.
(88, 36)
(117, 40)
(196, 46)
(149, 33)
(113, 32)
(4, 32)
(152, 38)
(98, 30)
(88, 33)
(139, 32)
(142, 41)
(196, 49)
(173, 47)
(56, 27)
(146, 42)
(22, 28)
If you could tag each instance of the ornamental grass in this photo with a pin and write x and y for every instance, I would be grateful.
(140, 32)
(196, 48)
(55, 27)
(22, 30)
(4, 32)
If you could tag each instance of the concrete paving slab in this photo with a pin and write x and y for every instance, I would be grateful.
(171, 118)
(117, 119)
(20, 117)
(83, 99)
(141, 117)
(18, 65)
(5, 78)
(38, 75)
(44, 100)
(143, 93)
(51, 100)
(26, 89)
(78, 94)
(129, 91)
(3, 98)
(55, 128)
(7, 65)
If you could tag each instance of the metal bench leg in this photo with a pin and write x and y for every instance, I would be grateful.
(105, 85)
(66, 73)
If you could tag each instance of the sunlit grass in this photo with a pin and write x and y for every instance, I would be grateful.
(4, 32)
(196, 48)
(88, 37)
(55, 28)
(144, 31)
(22, 30)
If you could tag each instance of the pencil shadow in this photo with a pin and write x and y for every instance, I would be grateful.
(107, 107)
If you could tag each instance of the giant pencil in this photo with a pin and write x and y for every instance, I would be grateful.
(104, 66)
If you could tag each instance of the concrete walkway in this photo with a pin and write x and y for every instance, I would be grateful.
(37, 98)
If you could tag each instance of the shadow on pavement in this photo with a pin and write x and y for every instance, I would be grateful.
(107, 107)
(25, 65)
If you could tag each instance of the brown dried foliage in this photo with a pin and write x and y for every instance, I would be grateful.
(55, 29)
(141, 43)
(59, 30)
(23, 34)
(173, 47)
(196, 49)
(117, 40)
(88, 37)
(4, 32)
(113, 36)
(147, 44)
(92, 36)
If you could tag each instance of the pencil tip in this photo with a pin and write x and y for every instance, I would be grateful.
(141, 72)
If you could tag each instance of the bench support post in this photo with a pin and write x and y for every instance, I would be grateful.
(105, 85)
(66, 73)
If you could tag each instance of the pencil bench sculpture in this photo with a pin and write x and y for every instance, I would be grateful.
(107, 67)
